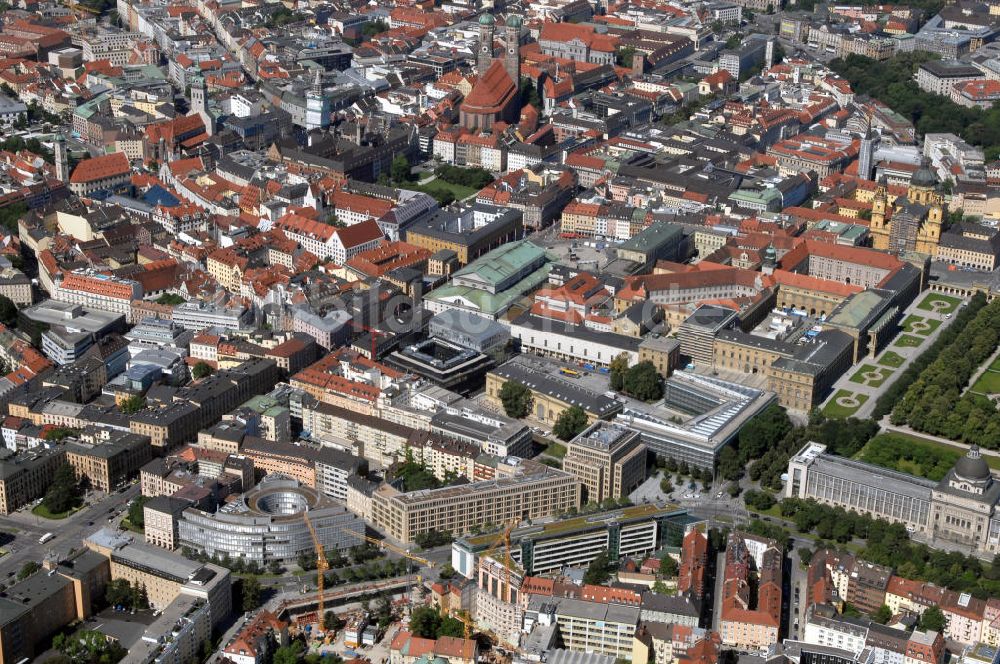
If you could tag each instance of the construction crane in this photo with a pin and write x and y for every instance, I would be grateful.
(463, 617)
(503, 539)
(321, 567)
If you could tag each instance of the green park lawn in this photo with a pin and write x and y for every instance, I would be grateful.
(438, 185)
(996, 364)
(930, 324)
(834, 409)
(41, 510)
(988, 383)
(884, 450)
(952, 303)
(908, 341)
(891, 359)
(859, 375)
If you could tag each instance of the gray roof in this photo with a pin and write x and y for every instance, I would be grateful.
(561, 656)
(550, 326)
(598, 611)
(519, 369)
(26, 595)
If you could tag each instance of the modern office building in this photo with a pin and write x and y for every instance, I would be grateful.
(861, 487)
(443, 363)
(469, 331)
(575, 541)
(609, 459)
(697, 417)
(268, 524)
(536, 491)
(68, 330)
(197, 316)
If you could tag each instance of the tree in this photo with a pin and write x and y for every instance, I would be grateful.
(171, 299)
(63, 491)
(425, 622)
(570, 422)
(133, 404)
(446, 572)
(668, 566)
(665, 485)
(400, 169)
(883, 615)
(201, 370)
(136, 513)
(89, 647)
(619, 367)
(8, 311)
(599, 570)
(433, 538)
(373, 28)
(332, 622)
(660, 588)
(289, 654)
(274, 567)
(933, 619)
(451, 626)
(644, 382)
(516, 399)
(251, 595)
(27, 569)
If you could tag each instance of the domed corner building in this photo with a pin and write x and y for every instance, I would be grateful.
(496, 96)
(964, 505)
(267, 524)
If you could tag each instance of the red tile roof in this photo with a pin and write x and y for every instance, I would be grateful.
(99, 168)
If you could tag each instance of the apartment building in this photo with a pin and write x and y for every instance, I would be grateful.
(160, 516)
(373, 438)
(751, 593)
(107, 458)
(256, 641)
(163, 574)
(329, 242)
(25, 477)
(535, 492)
(608, 458)
(323, 468)
(98, 291)
(596, 627)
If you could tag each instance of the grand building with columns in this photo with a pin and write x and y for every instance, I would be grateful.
(960, 511)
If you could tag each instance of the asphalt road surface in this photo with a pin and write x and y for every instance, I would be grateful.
(26, 528)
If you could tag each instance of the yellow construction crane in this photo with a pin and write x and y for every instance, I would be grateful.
(391, 547)
(503, 539)
(463, 617)
(321, 567)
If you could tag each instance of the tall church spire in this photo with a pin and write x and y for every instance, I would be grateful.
(484, 58)
(512, 49)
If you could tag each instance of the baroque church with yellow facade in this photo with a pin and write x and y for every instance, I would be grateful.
(913, 223)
